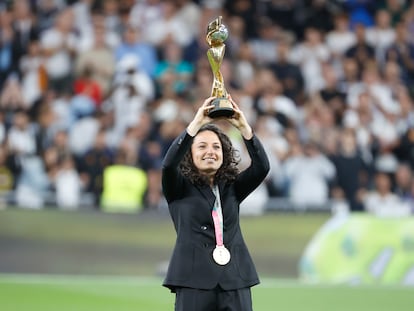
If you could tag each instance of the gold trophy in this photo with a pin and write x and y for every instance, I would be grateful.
(216, 35)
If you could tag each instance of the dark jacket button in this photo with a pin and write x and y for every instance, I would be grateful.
(203, 227)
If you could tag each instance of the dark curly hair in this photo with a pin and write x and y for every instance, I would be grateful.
(227, 171)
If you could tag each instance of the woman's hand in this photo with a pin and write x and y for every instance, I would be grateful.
(201, 118)
(239, 121)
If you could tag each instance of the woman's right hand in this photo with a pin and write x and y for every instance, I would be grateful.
(201, 117)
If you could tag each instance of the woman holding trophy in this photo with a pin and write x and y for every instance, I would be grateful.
(211, 268)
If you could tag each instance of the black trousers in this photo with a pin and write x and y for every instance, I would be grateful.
(190, 299)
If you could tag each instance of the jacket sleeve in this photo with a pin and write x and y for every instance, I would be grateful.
(253, 176)
(171, 177)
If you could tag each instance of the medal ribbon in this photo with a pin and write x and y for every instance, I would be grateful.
(217, 214)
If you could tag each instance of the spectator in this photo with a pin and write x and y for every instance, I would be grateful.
(286, 13)
(6, 46)
(271, 100)
(144, 13)
(396, 9)
(58, 44)
(393, 77)
(132, 90)
(361, 51)
(60, 141)
(308, 174)
(341, 37)
(45, 128)
(20, 138)
(310, 55)
(408, 20)
(405, 147)
(134, 44)
(381, 201)
(92, 164)
(264, 45)
(34, 76)
(11, 96)
(46, 12)
(318, 121)
(171, 27)
(384, 112)
(24, 28)
(277, 148)
(86, 85)
(247, 11)
(190, 13)
(350, 75)
(319, 15)
(82, 11)
(406, 113)
(130, 71)
(124, 185)
(352, 173)
(111, 12)
(7, 177)
(68, 184)
(288, 73)
(99, 57)
(360, 119)
(173, 71)
(82, 134)
(402, 53)
(50, 158)
(381, 35)
(33, 187)
(403, 180)
(331, 94)
(243, 66)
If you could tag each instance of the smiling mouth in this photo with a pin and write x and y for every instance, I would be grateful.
(209, 159)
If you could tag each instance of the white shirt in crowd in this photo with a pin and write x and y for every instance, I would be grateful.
(308, 179)
(388, 205)
(59, 63)
(68, 189)
(21, 141)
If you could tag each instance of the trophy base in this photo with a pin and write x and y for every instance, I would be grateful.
(222, 108)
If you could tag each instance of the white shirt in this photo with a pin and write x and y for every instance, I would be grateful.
(59, 63)
(308, 178)
(68, 189)
(309, 59)
(82, 135)
(21, 140)
(339, 42)
(385, 206)
(161, 29)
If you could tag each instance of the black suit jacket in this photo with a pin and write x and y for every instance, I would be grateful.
(190, 206)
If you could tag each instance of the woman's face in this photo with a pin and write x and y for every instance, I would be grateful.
(207, 152)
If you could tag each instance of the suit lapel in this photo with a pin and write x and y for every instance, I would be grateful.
(208, 194)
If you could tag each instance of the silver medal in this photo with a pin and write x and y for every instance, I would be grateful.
(221, 255)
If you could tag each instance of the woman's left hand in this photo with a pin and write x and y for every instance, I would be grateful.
(239, 121)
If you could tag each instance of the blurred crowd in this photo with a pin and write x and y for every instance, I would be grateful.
(93, 92)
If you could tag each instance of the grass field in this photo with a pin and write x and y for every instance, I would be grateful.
(98, 293)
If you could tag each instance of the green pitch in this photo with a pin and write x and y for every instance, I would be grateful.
(87, 293)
